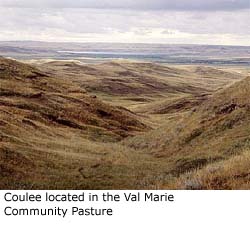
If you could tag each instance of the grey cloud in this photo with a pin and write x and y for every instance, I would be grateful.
(105, 22)
(117, 25)
(185, 5)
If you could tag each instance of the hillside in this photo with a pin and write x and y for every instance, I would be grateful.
(49, 100)
(213, 132)
(47, 123)
(233, 173)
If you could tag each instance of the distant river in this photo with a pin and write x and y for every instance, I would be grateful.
(160, 57)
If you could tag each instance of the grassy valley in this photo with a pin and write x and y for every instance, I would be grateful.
(123, 125)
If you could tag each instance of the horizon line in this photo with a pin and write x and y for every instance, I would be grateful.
(139, 43)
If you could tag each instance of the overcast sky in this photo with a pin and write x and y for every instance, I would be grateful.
(223, 22)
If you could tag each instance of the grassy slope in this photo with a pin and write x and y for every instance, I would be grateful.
(233, 173)
(216, 131)
(52, 133)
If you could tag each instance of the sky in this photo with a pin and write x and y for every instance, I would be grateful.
(215, 22)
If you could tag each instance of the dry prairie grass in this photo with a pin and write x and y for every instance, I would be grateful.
(55, 135)
(137, 85)
(233, 173)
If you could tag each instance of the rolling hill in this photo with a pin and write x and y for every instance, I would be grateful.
(216, 131)
(43, 117)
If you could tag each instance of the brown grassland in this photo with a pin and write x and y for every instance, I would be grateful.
(123, 125)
